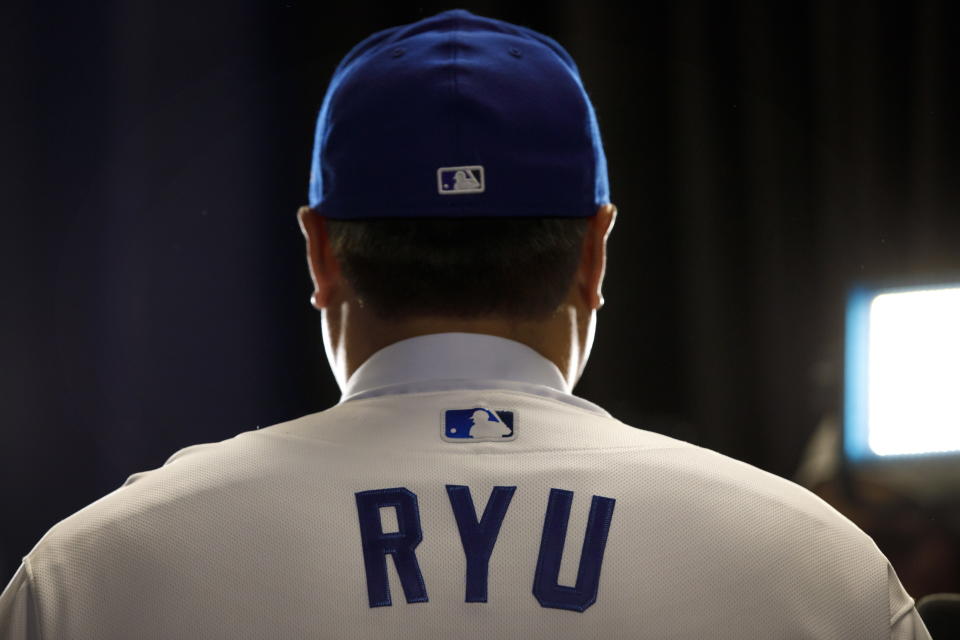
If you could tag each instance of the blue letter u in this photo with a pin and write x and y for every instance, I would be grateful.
(545, 584)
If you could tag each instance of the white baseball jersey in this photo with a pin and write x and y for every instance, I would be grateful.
(458, 491)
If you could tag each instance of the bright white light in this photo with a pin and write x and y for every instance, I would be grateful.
(913, 374)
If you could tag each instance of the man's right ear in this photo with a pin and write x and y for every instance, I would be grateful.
(324, 269)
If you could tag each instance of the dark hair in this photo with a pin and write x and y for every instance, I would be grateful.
(513, 267)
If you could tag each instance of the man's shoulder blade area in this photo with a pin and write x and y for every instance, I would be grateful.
(656, 525)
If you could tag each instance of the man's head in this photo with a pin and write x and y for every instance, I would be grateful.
(458, 184)
(459, 267)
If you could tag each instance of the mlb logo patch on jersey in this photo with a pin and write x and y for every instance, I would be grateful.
(455, 181)
(477, 425)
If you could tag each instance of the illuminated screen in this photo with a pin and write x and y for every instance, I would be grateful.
(902, 372)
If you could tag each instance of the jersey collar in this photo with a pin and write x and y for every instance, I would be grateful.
(443, 361)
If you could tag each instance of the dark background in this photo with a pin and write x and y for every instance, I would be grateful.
(764, 158)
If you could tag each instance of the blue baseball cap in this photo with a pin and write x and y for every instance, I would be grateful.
(457, 116)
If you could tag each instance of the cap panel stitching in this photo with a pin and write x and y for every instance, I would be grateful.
(458, 135)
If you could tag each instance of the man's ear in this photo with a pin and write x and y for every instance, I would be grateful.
(593, 256)
(324, 269)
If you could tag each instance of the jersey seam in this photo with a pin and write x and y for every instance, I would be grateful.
(638, 448)
(32, 595)
(903, 611)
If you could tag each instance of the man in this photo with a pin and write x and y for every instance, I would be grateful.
(456, 237)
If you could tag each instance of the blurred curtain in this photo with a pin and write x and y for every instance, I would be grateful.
(766, 156)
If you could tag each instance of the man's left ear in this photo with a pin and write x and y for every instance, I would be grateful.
(593, 257)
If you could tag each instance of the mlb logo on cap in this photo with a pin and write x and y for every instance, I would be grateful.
(460, 180)
(477, 425)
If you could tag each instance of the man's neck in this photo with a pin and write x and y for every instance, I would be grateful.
(353, 334)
